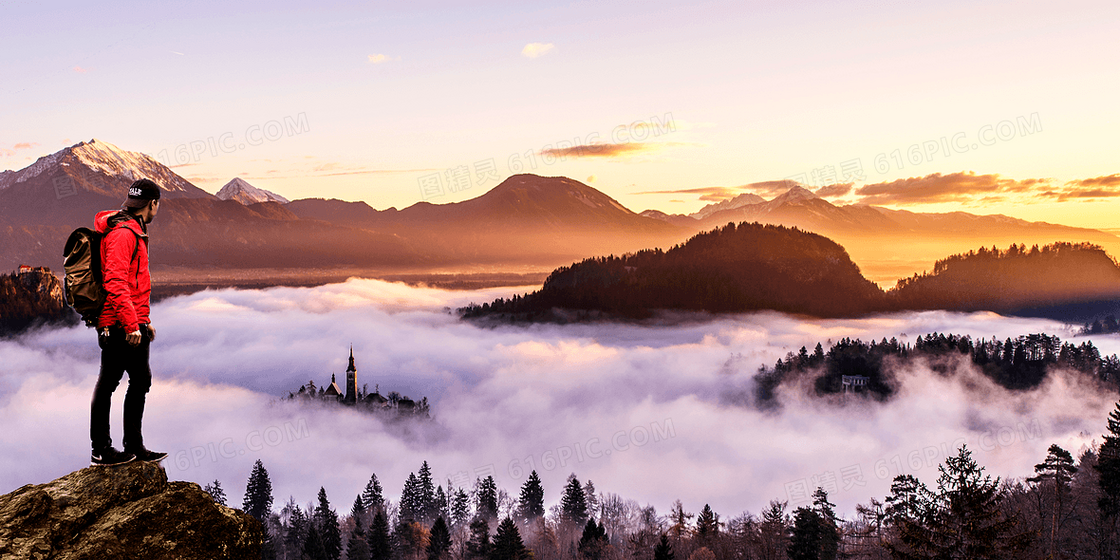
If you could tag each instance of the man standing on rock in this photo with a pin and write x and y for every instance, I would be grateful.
(124, 331)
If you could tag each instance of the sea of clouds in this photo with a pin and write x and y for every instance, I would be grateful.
(652, 412)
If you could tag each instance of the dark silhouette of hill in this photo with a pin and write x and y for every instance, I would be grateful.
(1108, 325)
(1059, 274)
(753, 267)
(736, 268)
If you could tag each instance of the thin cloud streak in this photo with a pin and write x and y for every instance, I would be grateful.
(765, 189)
(600, 150)
(952, 187)
(535, 50)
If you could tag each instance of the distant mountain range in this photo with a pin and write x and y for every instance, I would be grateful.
(888, 244)
(526, 222)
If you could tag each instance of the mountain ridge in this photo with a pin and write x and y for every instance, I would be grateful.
(240, 190)
(526, 221)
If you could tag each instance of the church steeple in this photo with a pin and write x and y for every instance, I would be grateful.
(351, 380)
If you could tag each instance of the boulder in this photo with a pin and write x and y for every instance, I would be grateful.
(126, 511)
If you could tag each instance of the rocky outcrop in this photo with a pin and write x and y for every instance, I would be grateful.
(127, 511)
(30, 297)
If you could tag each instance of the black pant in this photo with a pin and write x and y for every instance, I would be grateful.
(117, 357)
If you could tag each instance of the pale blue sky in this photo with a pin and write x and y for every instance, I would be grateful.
(755, 90)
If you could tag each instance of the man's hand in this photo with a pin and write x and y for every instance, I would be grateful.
(133, 337)
(151, 333)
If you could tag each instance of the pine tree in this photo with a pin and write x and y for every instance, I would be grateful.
(460, 508)
(830, 529)
(411, 507)
(910, 501)
(663, 550)
(1108, 466)
(439, 541)
(573, 504)
(313, 545)
(442, 504)
(258, 493)
(962, 520)
(910, 511)
(216, 492)
(774, 532)
(372, 498)
(1057, 470)
(380, 545)
(971, 521)
(508, 544)
(327, 521)
(592, 499)
(358, 511)
(805, 544)
(707, 525)
(531, 502)
(478, 547)
(297, 528)
(487, 498)
(426, 500)
(593, 542)
(356, 546)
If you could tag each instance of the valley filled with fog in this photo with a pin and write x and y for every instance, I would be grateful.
(653, 412)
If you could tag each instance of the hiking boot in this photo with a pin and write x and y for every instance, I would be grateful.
(110, 456)
(143, 454)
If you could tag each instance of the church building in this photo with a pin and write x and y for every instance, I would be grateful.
(351, 380)
(374, 402)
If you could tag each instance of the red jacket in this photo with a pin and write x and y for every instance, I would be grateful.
(128, 284)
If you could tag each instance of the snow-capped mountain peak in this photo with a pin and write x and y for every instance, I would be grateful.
(795, 194)
(9, 178)
(737, 202)
(241, 191)
(104, 158)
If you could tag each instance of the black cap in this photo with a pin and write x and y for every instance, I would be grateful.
(141, 191)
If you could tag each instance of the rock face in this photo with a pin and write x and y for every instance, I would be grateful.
(32, 296)
(127, 511)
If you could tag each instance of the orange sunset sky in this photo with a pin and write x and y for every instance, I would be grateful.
(986, 107)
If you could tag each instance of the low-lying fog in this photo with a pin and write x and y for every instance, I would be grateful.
(652, 413)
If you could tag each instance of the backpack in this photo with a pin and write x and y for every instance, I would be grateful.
(83, 286)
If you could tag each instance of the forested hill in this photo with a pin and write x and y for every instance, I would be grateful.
(995, 280)
(750, 267)
(736, 268)
(1018, 364)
